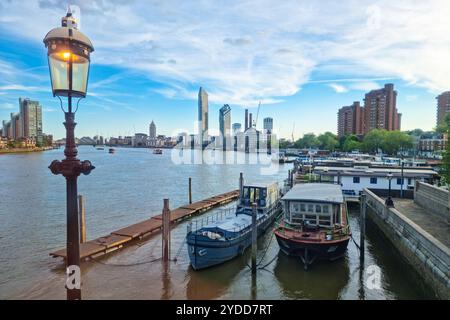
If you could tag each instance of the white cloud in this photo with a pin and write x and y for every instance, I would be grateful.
(246, 51)
(7, 106)
(338, 88)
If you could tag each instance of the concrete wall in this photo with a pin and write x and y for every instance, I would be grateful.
(432, 198)
(429, 257)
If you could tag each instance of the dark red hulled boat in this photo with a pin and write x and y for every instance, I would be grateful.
(315, 223)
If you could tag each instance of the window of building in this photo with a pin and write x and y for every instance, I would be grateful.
(409, 181)
(302, 207)
(325, 209)
(310, 208)
(373, 180)
(355, 179)
(318, 208)
(399, 181)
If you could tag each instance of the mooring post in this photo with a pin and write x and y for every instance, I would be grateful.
(82, 213)
(362, 226)
(292, 178)
(289, 178)
(254, 237)
(241, 184)
(190, 190)
(166, 231)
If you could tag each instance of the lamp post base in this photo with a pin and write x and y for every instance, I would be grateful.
(389, 203)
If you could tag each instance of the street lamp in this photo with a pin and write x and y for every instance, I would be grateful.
(68, 58)
(402, 176)
(389, 202)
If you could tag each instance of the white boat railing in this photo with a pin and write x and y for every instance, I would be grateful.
(197, 224)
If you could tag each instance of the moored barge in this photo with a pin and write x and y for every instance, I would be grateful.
(224, 239)
(314, 225)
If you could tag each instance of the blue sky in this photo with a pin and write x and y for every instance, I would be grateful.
(302, 59)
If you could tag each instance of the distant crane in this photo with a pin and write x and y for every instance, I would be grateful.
(257, 114)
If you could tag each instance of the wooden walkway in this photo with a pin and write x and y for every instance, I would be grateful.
(119, 238)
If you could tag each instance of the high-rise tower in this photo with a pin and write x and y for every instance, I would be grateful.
(203, 114)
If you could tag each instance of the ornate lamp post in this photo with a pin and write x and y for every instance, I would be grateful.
(389, 202)
(68, 58)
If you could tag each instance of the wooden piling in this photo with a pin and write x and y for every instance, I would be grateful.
(289, 178)
(362, 227)
(254, 237)
(241, 184)
(166, 231)
(190, 190)
(82, 214)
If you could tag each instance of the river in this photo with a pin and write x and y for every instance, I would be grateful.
(129, 186)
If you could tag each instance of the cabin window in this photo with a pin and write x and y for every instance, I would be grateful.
(302, 207)
(246, 194)
(373, 180)
(310, 208)
(325, 209)
(355, 179)
(325, 221)
(295, 207)
(311, 218)
(318, 208)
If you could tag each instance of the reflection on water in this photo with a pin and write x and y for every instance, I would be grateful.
(129, 186)
(322, 281)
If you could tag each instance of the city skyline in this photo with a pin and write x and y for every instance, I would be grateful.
(159, 81)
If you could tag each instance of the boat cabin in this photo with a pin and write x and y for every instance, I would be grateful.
(313, 204)
(264, 195)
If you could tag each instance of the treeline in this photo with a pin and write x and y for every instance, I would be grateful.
(390, 142)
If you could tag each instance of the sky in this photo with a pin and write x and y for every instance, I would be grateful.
(302, 59)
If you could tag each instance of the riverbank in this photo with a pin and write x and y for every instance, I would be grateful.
(24, 150)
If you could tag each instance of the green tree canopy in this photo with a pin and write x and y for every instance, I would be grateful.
(351, 143)
(309, 140)
(445, 127)
(373, 140)
(328, 141)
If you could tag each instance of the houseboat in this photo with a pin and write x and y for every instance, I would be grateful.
(355, 179)
(157, 151)
(227, 238)
(314, 225)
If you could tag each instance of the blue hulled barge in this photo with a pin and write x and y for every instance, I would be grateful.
(227, 237)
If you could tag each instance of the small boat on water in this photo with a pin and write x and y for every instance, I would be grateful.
(100, 148)
(111, 150)
(225, 239)
(157, 151)
(314, 224)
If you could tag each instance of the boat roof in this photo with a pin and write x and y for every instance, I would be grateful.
(233, 223)
(260, 184)
(374, 171)
(316, 192)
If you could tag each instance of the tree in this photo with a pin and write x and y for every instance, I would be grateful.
(446, 155)
(309, 140)
(415, 132)
(351, 143)
(328, 141)
(373, 140)
(395, 141)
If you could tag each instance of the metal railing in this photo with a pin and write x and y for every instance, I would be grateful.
(336, 234)
(195, 225)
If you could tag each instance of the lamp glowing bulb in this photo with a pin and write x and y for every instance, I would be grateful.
(66, 55)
